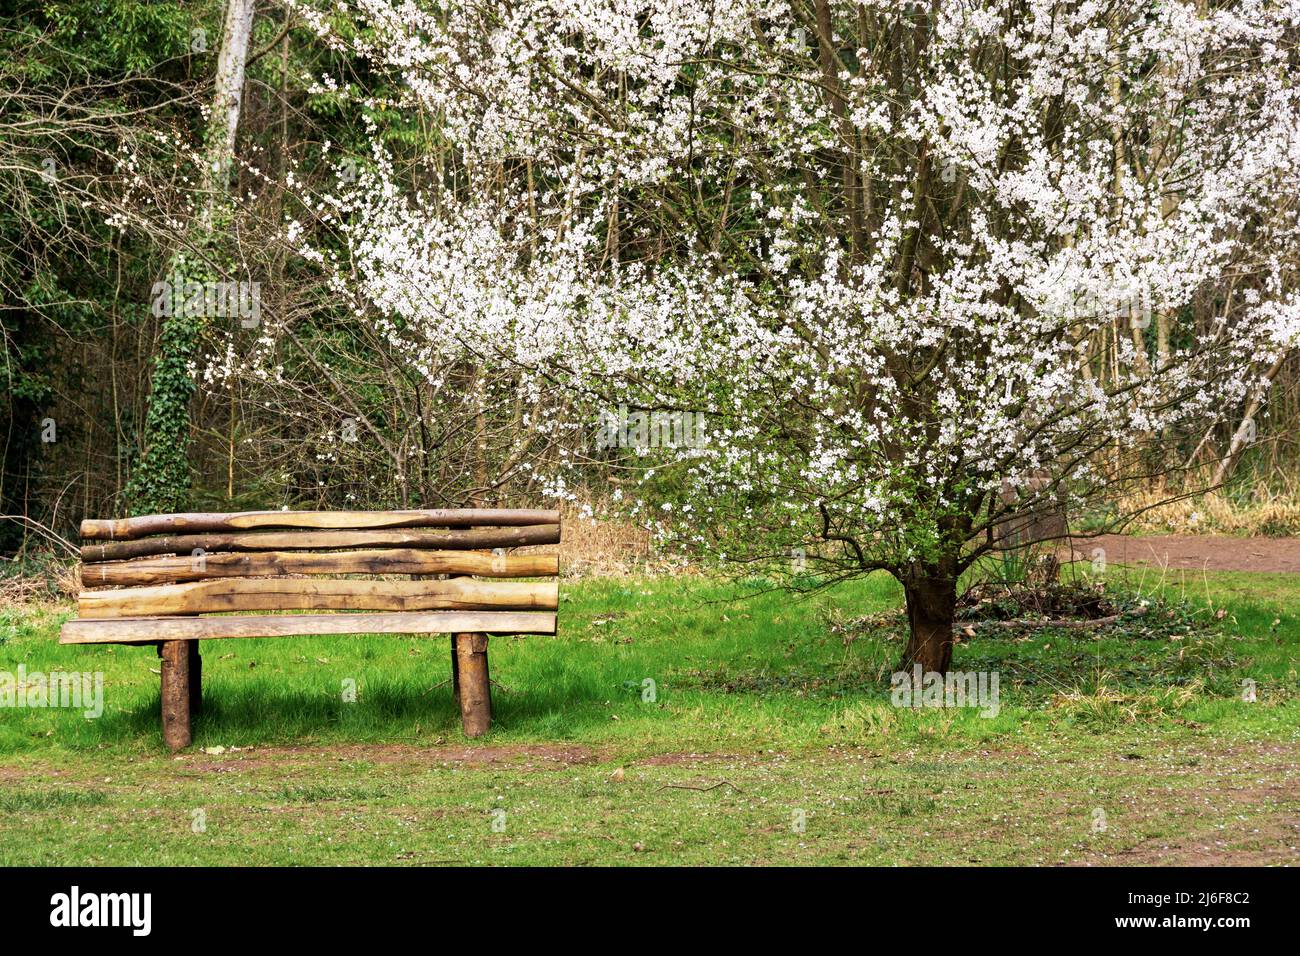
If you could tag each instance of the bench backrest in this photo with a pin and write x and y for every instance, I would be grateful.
(184, 564)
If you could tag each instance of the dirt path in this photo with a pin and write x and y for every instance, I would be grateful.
(1194, 552)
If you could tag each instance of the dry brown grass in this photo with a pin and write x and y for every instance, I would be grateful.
(1266, 514)
(55, 582)
(604, 546)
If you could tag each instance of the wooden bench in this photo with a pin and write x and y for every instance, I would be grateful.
(150, 580)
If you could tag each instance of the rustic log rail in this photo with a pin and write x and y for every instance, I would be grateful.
(470, 539)
(168, 568)
(156, 577)
(127, 529)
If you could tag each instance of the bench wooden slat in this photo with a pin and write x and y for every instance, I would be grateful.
(161, 570)
(477, 539)
(127, 529)
(316, 594)
(146, 630)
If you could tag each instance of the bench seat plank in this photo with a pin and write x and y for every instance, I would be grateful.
(126, 529)
(316, 594)
(147, 630)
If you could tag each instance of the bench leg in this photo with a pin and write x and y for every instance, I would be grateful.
(196, 679)
(175, 693)
(472, 678)
(455, 672)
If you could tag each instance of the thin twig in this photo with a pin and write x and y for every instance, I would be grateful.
(1059, 622)
(686, 786)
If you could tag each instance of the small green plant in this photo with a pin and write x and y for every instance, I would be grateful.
(1101, 707)
(863, 719)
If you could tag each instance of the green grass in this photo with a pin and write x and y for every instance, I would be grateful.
(767, 709)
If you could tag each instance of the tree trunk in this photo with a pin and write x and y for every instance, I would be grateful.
(223, 122)
(1246, 431)
(931, 605)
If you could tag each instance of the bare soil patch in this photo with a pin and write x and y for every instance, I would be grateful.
(1188, 552)
(1265, 833)
(677, 759)
(1268, 843)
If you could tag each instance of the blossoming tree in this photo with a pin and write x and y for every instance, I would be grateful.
(922, 266)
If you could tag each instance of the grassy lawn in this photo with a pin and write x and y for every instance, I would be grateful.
(769, 738)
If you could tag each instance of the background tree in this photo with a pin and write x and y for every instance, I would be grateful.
(905, 258)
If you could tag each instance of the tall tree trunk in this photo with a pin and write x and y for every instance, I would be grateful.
(228, 96)
(161, 480)
(1246, 431)
(931, 606)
